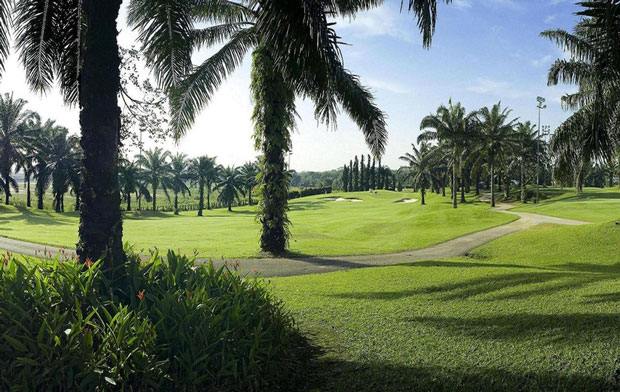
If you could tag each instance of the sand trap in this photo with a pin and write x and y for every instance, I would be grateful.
(352, 200)
(407, 201)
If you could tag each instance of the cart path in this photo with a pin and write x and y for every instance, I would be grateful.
(290, 266)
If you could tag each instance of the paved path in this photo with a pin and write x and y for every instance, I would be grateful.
(316, 264)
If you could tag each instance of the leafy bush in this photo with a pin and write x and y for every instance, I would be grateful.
(294, 194)
(175, 326)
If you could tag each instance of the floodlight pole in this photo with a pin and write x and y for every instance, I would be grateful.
(540, 107)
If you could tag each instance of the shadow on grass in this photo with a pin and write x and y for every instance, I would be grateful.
(36, 217)
(343, 376)
(324, 261)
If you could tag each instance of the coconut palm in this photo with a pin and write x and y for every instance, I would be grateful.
(58, 157)
(249, 173)
(529, 146)
(204, 172)
(454, 128)
(179, 175)
(230, 185)
(14, 121)
(156, 167)
(132, 180)
(421, 166)
(295, 52)
(497, 138)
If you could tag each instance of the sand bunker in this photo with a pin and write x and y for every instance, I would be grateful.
(353, 200)
(407, 201)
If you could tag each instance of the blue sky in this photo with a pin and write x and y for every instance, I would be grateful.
(484, 51)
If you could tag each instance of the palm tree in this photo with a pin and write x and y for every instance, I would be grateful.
(421, 166)
(14, 121)
(131, 180)
(529, 144)
(28, 161)
(156, 168)
(497, 138)
(230, 184)
(204, 172)
(454, 128)
(179, 175)
(58, 157)
(249, 172)
(295, 52)
(74, 44)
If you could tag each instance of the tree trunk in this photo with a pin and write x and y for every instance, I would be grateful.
(40, 196)
(229, 207)
(250, 196)
(506, 186)
(58, 203)
(129, 202)
(77, 200)
(273, 111)
(492, 182)
(423, 193)
(454, 190)
(28, 200)
(522, 183)
(176, 203)
(7, 187)
(208, 197)
(462, 189)
(201, 199)
(101, 226)
(477, 184)
(154, 197)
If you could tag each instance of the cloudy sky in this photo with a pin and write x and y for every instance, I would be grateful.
(484, 51)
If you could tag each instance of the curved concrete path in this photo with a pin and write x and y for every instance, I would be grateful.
(289, 266)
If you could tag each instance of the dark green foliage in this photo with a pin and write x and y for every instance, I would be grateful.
(345, 178)
(362, 175)
(351, 176)
(309, 192)
(373, 179)
(356, 174)
(176, 325)
(231, 185)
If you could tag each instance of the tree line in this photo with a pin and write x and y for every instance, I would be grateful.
(361, 175)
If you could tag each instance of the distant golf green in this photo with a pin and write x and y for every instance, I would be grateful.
(321, 226)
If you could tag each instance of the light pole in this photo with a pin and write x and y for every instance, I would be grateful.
(541, 106)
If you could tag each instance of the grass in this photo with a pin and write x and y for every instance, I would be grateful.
(320, 226)
(538, 310)
(593, 205)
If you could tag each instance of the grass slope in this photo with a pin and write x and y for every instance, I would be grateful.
(593, 205)
(535, 311)
(320, 227)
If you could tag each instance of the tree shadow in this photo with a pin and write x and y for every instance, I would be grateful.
(37, 217)
(307, 205)
(345, 376)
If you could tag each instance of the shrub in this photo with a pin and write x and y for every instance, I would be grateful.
(294, 194)
(175, 325)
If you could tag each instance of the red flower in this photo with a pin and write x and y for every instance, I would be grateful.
(88, 263)
(5, 261)
(86, 330)
(141, 295)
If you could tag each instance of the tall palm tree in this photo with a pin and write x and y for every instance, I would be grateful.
(179, 175)
(454, 128)
(73, 44)
(249, 173)
(421, 165)
(204, 172)
(28, 161)
(132, 180)
(230, 185)
(14, 121)
(497, 138)
(58, 156)
(295, 51)
(529, 144)
(156, 167)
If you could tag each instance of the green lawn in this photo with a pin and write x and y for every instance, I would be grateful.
(593, 205)
(320, 226)
(538, 310)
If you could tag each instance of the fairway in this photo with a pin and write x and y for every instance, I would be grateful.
(376, 225)
(537, 311)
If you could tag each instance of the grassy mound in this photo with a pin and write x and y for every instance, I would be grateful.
(538, 310)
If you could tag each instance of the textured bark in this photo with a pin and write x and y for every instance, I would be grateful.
(176, 204)
(101, 227)
(129, 202)
(28, 200)
(423, 194)
(273, 117)
(154, 187)
(201, 199)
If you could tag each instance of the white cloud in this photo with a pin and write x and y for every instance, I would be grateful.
(383, 21)
(543, 61)
(462, 4)
(550, 19)
(497, 88)
(387, 86)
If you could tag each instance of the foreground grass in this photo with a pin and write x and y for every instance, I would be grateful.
(535, 311)
(593, 205)
(320, 226)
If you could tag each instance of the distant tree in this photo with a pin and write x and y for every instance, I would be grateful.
(351, 176)
(156, 169)
(356, 174)
(345, 178)
(526, 153)
(131, 180)
(249, 173)
(14, 120)
(373, 179)
(230, 186)
(179, 175)
(204, 172)
(362, 175)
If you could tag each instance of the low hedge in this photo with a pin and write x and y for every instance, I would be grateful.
(175, 325)
(295, 194)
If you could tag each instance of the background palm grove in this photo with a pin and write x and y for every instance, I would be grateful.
(110, 320)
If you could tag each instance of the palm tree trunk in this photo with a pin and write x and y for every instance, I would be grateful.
(522, 183)
(28, 200)
(208, 196)
(492, 181)
(129, 201)
(201, 199)
(454, 190)
(229, 206)
(478, 184)
(154, 196)
(506, 179)
(101, 225)
(274, 102)
(77, 200)
(176, 203)
(250, 196)
(40, 195)
(462, 189)
(7, 187)
(423, 193)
